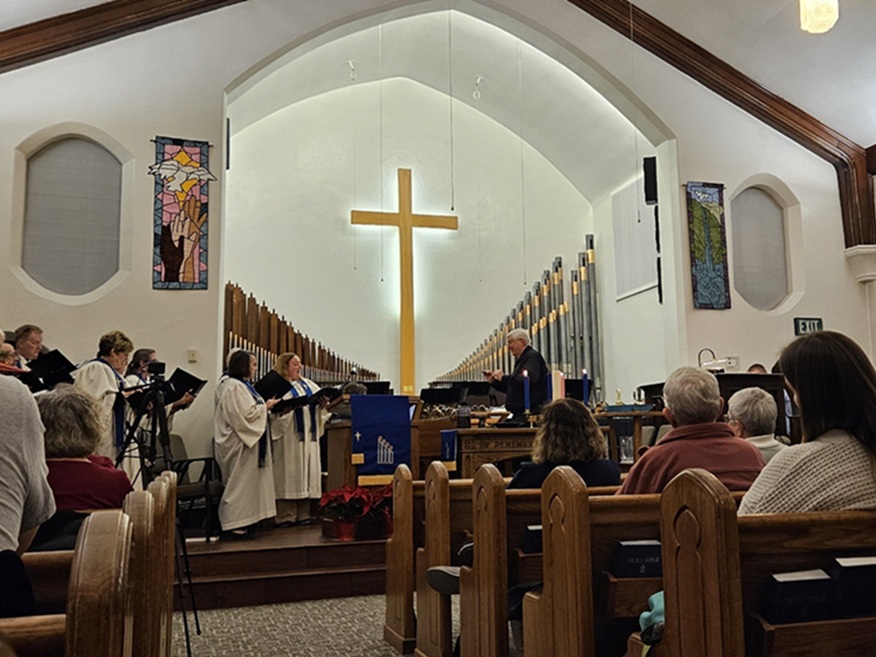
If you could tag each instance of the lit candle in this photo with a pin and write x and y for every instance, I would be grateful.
(585, 388)
(526, 391)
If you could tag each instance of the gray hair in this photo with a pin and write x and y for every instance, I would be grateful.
(72, 421)
(692, 395)
(755, 409)
(519, 334)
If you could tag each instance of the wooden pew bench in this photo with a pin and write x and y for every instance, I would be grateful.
(715, 566)
(407, 555)
(500, 521)
(98, 615)
(152, 515)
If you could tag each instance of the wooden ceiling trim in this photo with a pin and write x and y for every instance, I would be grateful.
(848, 159)
(66, 33)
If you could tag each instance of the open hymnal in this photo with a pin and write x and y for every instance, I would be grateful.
(275, 386)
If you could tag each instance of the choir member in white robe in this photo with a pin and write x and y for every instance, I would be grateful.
(297, 467)
(241, 434)
(102, 379)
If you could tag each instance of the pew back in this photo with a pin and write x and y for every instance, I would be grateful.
(715, 566)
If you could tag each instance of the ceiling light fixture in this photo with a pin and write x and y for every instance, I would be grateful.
(818, 16)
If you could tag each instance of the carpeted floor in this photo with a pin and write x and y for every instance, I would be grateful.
(352, 627)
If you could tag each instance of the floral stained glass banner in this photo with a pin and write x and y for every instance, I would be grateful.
(708, 246)
(180, 212)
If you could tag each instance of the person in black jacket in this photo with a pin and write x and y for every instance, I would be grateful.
(513, 385)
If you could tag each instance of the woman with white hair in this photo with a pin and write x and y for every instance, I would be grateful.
(751, 413)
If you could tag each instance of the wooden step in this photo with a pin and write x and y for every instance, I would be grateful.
(284, 565)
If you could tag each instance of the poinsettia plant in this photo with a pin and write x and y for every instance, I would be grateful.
(354, 502)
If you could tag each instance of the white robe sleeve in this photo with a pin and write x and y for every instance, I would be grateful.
(246, 418)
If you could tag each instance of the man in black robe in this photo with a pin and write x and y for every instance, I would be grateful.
(513, 385)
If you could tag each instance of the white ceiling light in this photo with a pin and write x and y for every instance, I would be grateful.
(818, 16)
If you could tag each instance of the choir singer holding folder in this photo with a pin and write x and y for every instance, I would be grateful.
(297, 467)
(513, 385)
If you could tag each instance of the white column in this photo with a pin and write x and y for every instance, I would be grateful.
(862, 258)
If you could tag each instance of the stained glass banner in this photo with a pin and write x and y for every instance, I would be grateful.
(708, 246)
(180, 212)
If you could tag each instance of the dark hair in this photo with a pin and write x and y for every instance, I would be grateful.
(238, 364)
(835, 385)
(567, 433)
(140, 356)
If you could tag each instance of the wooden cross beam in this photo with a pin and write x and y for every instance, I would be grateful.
(406, 221)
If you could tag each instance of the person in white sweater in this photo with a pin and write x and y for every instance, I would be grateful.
(834, 385)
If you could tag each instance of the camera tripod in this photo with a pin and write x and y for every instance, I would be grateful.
(144, 438)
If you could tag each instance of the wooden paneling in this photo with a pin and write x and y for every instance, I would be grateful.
(848, 158)
(66, 33)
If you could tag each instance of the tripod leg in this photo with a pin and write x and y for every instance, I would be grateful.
(187, 571)
(182, 597)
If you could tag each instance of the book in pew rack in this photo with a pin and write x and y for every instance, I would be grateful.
(638, 559)
(854, 584)
(798, 597)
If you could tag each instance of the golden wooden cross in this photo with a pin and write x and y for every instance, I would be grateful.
(406, 221)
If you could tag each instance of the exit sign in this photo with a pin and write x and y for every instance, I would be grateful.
(804, 325)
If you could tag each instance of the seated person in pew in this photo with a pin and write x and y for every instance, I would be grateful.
(568, 435)
(697, 440)
(25, 497)
(834, 385)
(80, 479)
(751, 413)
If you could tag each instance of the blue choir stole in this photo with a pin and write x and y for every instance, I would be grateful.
(297, 391)
(381, 428)
(263, 441)
(118, 408)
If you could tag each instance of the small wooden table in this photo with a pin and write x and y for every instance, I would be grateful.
(479, 446)
(637, 417)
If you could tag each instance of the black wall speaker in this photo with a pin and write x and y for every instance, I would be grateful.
(650, 169)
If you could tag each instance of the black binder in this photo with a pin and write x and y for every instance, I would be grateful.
(47, 371)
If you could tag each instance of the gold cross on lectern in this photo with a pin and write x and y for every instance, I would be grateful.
(406, 221)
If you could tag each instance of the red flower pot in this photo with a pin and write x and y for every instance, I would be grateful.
(345, 530)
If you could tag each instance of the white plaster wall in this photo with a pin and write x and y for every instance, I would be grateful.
(296, 175)
(170, 81)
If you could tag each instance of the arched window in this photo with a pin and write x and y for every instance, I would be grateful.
(760, 265)
(72, 216)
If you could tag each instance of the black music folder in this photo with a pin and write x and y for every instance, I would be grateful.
(273, 385)
(47, 371)
(179, 383)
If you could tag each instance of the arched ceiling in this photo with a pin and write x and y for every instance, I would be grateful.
(828, 75)
(571, 124)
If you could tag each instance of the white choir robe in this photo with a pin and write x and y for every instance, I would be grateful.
(101, 381)
(297, 468)
(238, 424)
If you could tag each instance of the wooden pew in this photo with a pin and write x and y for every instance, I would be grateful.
(580, 535)
(399, 626)
(150, 589)
(98, 619)
(715, 564)
(500, 519)
(447, 524)
(164, 491)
